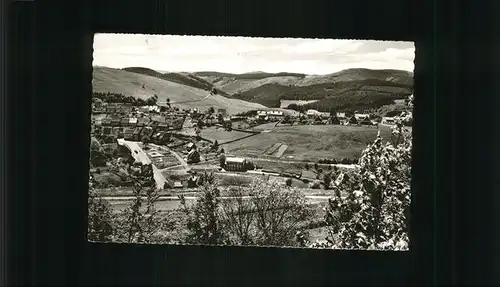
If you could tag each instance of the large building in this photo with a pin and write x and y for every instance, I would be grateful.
(236, 164)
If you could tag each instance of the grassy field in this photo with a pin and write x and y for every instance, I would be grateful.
(311, 142)
(221, 135)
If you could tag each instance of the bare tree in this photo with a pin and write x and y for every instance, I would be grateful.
(278, 213)
(239, 216)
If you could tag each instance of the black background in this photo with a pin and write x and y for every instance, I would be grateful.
(46, 108)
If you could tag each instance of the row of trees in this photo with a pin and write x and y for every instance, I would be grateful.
(121, 98)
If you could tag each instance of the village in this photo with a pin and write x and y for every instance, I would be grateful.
(180, 144)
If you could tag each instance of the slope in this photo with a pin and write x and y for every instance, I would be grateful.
(183, 96)
(180, 78)
(345, 90)
(236, 83)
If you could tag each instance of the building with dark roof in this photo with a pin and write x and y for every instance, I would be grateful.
(106, 121)
(106, 131)
(124, 121)
(111, 108)
(235, 164)
(146, 133)
(142, 122)
(115, 121)
(335, 120)
(352, 120)
(128, 134)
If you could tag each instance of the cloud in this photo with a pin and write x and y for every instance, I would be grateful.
(327, 46)
(241, 54)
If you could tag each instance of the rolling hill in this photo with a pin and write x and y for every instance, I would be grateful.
(183, 92)
(236, 83)
(180, 78)
(345, 90)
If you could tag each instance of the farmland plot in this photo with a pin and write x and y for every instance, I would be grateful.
(221, 135)
(311, 142)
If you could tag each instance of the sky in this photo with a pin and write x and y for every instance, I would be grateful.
(172, 53)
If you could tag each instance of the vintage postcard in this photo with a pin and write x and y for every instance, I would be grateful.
(275, 142)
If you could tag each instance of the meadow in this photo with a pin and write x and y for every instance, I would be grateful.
(221, 135)
(310, 142)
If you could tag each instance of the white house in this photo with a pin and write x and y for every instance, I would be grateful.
(312, 113)
(388, 120)
(361, 117)
(132, 121)
(275, 113)
(325, 115)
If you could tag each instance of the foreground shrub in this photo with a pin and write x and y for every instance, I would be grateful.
(204, 222)
(100, 221)
(279, 212)
(375, 214)
(271, 217)
(139, 222)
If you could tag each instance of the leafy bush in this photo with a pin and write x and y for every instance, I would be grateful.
(139, 222)
(204, 222)
(315, 184)
(270, 218)
(279, 212)
(235, 181)
(375, 214)
(100, 221)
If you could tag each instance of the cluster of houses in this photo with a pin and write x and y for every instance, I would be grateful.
(122, 120)
(356, 119)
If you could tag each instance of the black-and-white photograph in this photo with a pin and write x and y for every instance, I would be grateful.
(243, 141)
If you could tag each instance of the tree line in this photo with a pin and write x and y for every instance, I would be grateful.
(109, 97)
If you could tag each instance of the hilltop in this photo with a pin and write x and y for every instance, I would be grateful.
(180, 78)
(183, 91)
(345, 90)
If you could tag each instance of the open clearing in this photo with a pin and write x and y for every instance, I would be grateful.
(310, 142)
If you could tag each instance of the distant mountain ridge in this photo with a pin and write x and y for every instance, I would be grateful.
(349, 89)
(345, 90)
